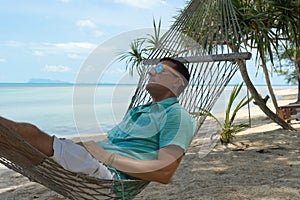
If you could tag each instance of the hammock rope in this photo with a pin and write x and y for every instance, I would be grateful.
(206, 36)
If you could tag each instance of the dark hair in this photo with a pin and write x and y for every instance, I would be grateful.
(178, 66)
(181, 68)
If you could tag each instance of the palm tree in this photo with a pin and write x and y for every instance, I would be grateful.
(291, 73)
(228, 128)
(140, 49)
(266, 24)
(290, 23)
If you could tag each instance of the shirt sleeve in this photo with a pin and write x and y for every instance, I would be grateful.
(177, 129)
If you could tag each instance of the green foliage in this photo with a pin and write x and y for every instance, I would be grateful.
(135, 56)
(289, 77)
(228, 128)
(288, 69)
(140, 49)
(286, 65)
(153, 41)
(269, 25)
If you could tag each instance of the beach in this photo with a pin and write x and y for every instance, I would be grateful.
(263, 163)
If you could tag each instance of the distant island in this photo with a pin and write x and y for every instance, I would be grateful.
(58, 82)
(47, 81)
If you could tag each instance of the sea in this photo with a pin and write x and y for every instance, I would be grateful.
(58, 109)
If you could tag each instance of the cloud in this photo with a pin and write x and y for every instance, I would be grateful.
(65, 1)
(38, 53)
(13, 43)
(90, 27)
(69, 48)
(142, 3)
(85, 24)
(2, 60)
(56, 68)
(46, 48)
(72, 46)
(98, 33)
(75, 56)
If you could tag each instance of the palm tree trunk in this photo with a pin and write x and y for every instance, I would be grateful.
(298, 96)
(297, 67)
(297, 55)
(260, 102)
(271, 91)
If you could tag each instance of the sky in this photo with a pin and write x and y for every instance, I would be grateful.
(55, 39)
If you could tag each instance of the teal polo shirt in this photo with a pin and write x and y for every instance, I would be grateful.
(148, 128)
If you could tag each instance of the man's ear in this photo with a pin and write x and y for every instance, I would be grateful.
(177, 84)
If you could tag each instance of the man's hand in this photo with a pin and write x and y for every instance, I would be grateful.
(160, 170)
(96, 151)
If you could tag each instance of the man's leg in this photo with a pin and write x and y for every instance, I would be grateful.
(69, 155)
(31, 134)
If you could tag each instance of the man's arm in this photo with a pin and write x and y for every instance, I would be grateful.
(160, 170)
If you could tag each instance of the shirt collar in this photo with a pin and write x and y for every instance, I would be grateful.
(166, 102)
(162, 104)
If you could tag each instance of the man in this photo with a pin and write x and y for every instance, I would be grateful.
(148, 144)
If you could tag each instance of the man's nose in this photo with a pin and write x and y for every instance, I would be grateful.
(151, 72)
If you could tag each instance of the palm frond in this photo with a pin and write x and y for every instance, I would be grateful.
(228, 128)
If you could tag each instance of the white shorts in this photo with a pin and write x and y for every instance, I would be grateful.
(76, 158)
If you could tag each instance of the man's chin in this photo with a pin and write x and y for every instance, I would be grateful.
(153, 87)
(150, 85)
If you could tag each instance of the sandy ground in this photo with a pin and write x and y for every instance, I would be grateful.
(263, 163)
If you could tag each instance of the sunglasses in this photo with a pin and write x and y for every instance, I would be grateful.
(161, 67)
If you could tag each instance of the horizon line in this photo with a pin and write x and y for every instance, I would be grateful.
(71, 84)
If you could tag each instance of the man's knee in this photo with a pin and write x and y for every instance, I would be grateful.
(27, 128)
(32, 133)
(37, 138)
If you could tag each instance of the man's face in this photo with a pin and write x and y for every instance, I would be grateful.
(164, 78)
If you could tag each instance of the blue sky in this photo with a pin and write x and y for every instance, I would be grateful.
(52, 39)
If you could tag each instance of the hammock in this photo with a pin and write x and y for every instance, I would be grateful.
(207, 38)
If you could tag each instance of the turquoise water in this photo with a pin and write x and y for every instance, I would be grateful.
(96, 110)
(51, 107)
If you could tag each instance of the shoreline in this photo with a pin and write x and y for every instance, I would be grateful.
(264, 163)
(58, 116)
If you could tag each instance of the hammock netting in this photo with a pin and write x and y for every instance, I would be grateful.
(207, 38)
